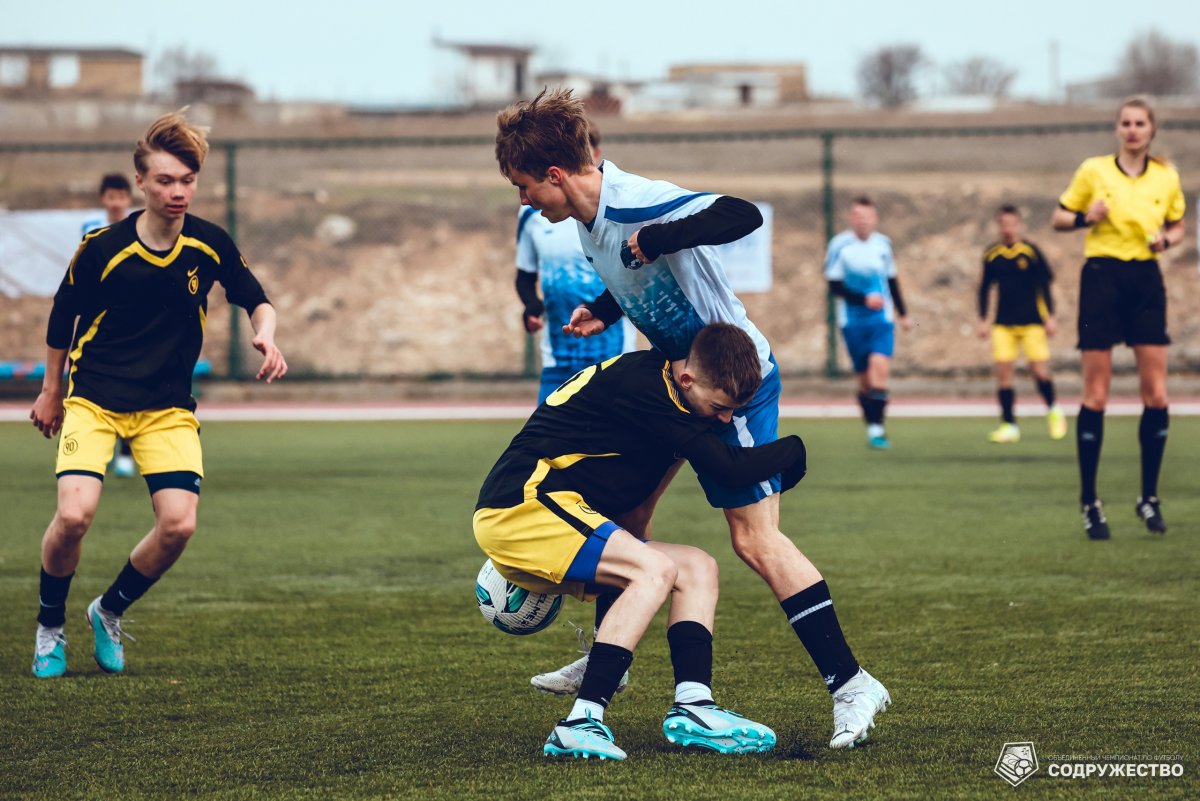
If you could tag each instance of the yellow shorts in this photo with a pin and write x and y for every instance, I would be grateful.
(534, 543)
(1009, 340)
(162, 440)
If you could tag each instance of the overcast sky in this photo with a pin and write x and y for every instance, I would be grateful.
(348, 50)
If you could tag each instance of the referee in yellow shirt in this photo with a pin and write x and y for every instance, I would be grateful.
(1133, 206)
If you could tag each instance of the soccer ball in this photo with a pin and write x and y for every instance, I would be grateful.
(513, 609)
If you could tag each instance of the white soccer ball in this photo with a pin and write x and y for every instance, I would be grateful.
(513, 609)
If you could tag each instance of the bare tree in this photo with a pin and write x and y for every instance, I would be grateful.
(888, 76)
(177, 64)
(979, 76)
(1154, 64)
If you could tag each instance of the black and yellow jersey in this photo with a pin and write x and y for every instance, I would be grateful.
(1022, 276)
(611, 432)
(142, 312)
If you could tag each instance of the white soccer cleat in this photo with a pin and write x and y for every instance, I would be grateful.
(855, 705)
(567, 679)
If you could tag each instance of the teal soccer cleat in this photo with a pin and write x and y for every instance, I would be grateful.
(50, 653)
(107, 634)
(707, 725)
(583, 737)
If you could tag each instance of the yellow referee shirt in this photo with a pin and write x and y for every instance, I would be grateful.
(1138, 206)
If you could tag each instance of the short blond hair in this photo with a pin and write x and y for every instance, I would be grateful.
(549, 131)
(172, 133)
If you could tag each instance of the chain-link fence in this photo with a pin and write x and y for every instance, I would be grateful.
(394, 256)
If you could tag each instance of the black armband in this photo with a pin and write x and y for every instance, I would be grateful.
(726, 220)
(527, 292)
(605, 308)
(897, 299)
(849, 295)
(1081, 220)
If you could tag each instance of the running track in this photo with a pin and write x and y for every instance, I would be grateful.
(814, 409)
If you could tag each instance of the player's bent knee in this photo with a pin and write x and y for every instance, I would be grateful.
(658, 571)
(754, 546)
(698, 569)
(72, 522)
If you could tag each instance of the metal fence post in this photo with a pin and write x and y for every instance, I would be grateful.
(829, 211)
(234, 367)
(531, 370)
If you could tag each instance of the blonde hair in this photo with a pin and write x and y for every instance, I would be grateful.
(172, 133)
(549, 131)
(1146, 104)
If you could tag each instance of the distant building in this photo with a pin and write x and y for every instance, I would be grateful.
(492, 75)
(217, 91)
(750, 84)
(1101, 90)
(70, 72)
(600, 95)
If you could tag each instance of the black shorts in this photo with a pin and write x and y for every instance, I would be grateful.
(1121, 301)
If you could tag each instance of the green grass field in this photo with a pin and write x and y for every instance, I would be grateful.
(319, 639)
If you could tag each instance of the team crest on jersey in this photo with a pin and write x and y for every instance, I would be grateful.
(587, 509)
(1022, 262)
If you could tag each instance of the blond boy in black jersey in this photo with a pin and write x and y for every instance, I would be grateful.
(139, 291)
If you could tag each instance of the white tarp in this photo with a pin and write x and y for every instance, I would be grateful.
(37, 246)
(747, 261)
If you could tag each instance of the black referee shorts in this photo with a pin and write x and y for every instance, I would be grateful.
(1121, 301)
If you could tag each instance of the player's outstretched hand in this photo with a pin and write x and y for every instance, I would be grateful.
(583, 323)
(273, 365)
(1051, 326)
(985, 329)
(47, 412)
(906, 323)
(874, 301)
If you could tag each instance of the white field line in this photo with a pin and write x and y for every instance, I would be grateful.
(253, 412)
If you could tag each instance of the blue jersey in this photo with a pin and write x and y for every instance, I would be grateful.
(864, 266)
(552, 251)
(673, 297)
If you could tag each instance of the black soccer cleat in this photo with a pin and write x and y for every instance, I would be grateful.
(1148, 510)
(1094, 524)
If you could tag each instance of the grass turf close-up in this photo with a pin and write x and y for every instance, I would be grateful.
(320, 639)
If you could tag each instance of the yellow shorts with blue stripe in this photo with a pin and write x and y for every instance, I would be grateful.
(161, 440)
(1009, 340)
(549, 543)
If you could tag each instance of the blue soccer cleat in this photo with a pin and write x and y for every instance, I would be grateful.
(707, 725)
(50, 653)
(583, 737)
(107, 634)
(880, 443)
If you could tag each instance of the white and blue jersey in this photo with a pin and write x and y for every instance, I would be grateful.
(864, 266)
(673, 297)
(552, 251)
